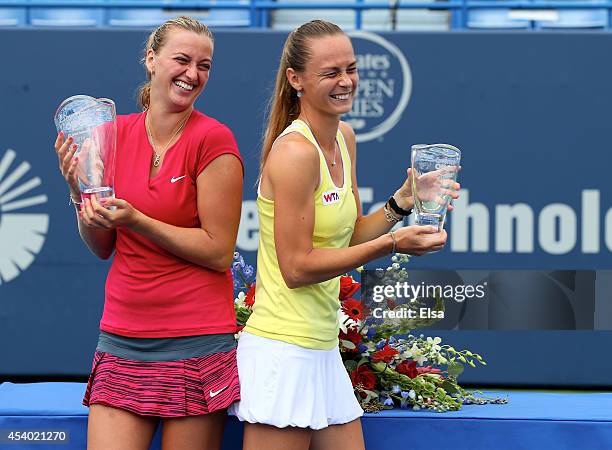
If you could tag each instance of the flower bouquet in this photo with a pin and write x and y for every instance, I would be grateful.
(388, 366)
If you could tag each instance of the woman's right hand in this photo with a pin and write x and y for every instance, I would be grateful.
(65, 149)
(419, 240)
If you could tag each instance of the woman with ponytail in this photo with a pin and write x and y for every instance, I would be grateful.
(166, 350)
(295, 392)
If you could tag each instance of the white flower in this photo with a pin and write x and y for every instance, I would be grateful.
(420, 359)
(240, 299)
(434, 343)
(345, 322)
(417, 355)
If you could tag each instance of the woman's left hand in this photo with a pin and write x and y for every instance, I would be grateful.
(405, 199)
(403, 196)
(109, 213)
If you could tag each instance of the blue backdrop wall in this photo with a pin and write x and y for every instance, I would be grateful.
(529, 111)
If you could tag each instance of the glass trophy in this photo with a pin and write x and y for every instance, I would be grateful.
(92, 124)
(434, 172)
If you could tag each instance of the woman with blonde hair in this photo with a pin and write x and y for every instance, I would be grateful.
(295, 392)
(166, 350)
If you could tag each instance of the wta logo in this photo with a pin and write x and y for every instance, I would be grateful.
(22, 234)
(385, 85)
(330, 197)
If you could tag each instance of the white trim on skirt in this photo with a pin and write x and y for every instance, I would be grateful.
(283, 385)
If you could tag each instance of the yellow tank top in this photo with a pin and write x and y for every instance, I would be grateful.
(306, 316)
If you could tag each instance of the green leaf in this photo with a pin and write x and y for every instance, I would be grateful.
(450, 388)
(455, 369)
(371, 394)
(347, 344)
(362, 361)
(350, 365)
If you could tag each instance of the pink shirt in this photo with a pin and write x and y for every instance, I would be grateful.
(149, 291)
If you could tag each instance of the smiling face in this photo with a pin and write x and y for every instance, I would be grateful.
(329, 80)
(180, 69)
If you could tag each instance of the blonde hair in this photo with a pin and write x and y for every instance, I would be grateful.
(284, 103)
(157, 39)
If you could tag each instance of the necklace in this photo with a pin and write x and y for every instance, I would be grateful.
(333, 162)
(157, 156)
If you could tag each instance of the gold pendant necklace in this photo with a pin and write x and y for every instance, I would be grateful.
(157, 156)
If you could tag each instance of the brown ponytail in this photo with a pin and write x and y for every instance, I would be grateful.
(284, 104)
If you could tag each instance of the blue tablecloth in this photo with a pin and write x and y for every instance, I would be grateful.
(531, 420)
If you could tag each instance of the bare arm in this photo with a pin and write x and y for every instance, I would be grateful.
(375, 224)
(100, 242)
(219, 188)
(292, 170)
(372, 225)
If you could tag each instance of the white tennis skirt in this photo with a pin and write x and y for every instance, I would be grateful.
(286, 385)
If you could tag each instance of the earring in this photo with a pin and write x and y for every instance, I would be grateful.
(299, 93)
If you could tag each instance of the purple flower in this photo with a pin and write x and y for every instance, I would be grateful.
(371, 332)
(387, 401)
(248, 271)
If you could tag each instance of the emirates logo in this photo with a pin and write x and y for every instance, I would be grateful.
(22, 233)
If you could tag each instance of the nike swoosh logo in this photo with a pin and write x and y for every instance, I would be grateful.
(214, 393)
(174, 180)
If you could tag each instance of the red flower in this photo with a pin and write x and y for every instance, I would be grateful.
(353, 336)
(249, 299)
(427, 369)
(353, 308)
(362, 376)
(385, 354)
(348, 287)
(408, 368)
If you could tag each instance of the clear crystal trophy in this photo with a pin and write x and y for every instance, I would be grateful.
(434, 172)
(92, 124)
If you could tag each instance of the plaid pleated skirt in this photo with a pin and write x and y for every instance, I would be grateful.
(186, 387)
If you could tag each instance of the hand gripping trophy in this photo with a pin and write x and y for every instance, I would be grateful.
(434, 172)
(91, 122)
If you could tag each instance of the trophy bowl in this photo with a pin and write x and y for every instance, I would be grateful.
(92, 124)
